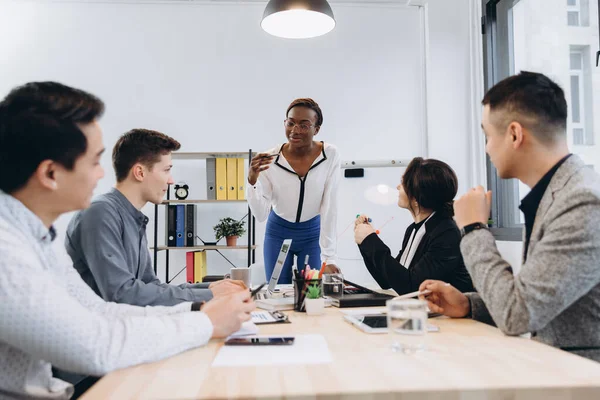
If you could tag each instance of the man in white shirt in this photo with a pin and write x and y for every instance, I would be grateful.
(50, 147)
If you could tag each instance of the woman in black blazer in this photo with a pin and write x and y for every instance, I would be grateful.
(431, 245)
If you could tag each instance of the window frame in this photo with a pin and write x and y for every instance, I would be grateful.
(579, 73)
(506, 225)
(576, 9)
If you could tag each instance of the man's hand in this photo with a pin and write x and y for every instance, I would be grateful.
(445, 299)
(473, 206)
(227, 287)
(361, 231)
(331, 269)
(227, 313)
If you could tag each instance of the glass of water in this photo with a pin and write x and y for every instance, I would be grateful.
(333, 285)
(407, 324)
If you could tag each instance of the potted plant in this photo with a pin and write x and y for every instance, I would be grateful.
(315, 303)
(230, 229)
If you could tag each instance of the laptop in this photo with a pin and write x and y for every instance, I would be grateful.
(283, 253)
(359, 296)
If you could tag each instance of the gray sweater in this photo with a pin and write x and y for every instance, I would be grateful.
(107, 243)
(556, 295)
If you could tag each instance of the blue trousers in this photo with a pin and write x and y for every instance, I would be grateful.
(305, 240)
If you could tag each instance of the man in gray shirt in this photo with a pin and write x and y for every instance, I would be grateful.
(107, 242)
(556, 295)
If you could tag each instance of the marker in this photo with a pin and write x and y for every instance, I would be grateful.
(270, 155)
(255, 291)
(369, 219)
(413, 294)
(322, 270)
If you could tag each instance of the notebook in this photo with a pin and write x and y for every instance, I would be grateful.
(359, 296)
(276, 304)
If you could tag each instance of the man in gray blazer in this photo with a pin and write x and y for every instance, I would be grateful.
(556, 295)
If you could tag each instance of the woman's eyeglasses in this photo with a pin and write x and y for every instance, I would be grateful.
(301, 126)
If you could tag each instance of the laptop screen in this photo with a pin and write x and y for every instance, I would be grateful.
(285, 247)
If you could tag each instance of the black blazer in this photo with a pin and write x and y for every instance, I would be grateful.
(437, 257)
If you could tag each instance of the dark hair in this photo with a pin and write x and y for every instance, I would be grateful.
(38, 122)
(308, 103)
(533, 100)
(432, 183)
(140, 146)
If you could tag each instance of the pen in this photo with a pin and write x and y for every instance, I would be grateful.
(270, 155)
(413, 294)
(255, 291)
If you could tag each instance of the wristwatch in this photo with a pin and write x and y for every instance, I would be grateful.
(472, 227)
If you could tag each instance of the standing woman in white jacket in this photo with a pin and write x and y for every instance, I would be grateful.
(294, 187)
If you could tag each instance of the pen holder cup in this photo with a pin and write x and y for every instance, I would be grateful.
(301, 289)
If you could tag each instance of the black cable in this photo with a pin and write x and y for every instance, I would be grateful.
(171, 280)
(598, 52)
(217, 250)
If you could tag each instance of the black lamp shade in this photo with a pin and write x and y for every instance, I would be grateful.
(298, 19)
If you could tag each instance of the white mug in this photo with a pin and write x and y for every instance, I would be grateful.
(240, 274)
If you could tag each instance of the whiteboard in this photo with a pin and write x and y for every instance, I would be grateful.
(361, 196)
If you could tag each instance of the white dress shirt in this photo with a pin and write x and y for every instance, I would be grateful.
(298, 199)
(49, 316)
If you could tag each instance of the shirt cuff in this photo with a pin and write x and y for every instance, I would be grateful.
(330, 260)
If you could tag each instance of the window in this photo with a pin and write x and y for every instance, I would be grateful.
(579, 105)
(578, 12)
(573, 12)
(528, 35)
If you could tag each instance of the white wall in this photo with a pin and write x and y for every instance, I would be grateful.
(207, 75)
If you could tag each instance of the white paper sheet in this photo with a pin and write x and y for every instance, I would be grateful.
(307, 349)
(248, 328)
(262, 317)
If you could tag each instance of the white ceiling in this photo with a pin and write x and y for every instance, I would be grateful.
(362, 2)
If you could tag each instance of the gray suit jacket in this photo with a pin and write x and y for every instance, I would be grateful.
(556, 295)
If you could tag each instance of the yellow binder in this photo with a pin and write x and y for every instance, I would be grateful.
(221, 178)
(200, 268)
(241, 179)
(232, 179)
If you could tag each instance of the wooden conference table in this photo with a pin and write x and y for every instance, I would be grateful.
(466, 360)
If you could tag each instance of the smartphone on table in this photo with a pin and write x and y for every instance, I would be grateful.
(260, 341)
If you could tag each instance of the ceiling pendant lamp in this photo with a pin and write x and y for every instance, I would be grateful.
(298, 19)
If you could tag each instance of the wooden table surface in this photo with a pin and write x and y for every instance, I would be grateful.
(465, 360)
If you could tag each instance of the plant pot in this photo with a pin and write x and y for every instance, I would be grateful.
(231, 240)
(315, 306)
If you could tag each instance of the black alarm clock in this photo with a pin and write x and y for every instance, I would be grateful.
(181, 191)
